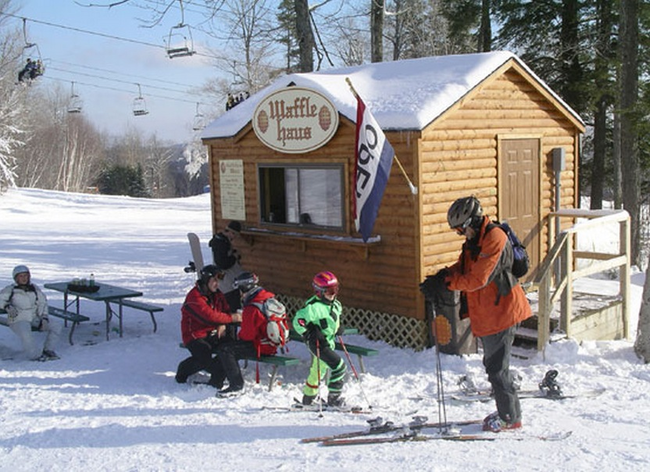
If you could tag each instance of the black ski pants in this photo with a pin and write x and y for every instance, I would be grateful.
(496, 359)
(201, 359)
(229, 354)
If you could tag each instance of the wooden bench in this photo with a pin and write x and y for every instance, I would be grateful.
(148, 307)
(59, 313)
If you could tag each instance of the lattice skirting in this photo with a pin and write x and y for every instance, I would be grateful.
(396, 330)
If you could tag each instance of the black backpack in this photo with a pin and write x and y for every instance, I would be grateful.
(521, 261)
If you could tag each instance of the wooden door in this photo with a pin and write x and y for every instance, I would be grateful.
(519, 192)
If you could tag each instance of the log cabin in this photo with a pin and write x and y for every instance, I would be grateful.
(283, 163)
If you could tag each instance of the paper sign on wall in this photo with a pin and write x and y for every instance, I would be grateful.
(231, 189)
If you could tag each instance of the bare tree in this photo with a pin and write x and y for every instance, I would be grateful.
(352, 45)
(63, 150)
(12, 99)
(249, 44)
(416, 28)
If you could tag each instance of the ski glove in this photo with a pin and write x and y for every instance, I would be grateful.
(45, 325)
(435, 285)
(12, 311)
(313, 334)
(340, 331)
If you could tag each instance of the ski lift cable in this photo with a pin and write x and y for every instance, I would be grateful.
(114, 89)
(76, 73)
(96, 33)
(99, 69)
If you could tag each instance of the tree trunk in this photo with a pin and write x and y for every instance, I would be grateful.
(602, 64)
(642, 343)
(570, 68)
(376, 30)
(629, 57)
(485, 28)
(305, 36)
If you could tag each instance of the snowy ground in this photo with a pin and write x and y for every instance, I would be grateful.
(113, 405)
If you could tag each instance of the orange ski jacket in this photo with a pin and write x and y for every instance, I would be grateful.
(489, 312)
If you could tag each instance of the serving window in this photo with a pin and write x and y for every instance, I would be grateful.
(302, 195)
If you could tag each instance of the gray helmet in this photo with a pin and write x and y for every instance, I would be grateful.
(20, 269)
(463, 212)
(246, 281)
(209, 271)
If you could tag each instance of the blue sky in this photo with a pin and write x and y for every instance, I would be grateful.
(106, 70)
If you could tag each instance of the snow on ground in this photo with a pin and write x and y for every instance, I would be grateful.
(114, 405)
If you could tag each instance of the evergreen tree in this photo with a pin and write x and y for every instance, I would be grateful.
(123, 180)
(287, 34)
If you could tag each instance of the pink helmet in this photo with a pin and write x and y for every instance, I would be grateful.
(326, 282)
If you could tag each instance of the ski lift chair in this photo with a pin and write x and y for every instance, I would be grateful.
(179, 41)
(139, 104)
(199, 120)
(76, 103)
(32, 59)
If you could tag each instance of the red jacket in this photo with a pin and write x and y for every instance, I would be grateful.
(486, 316)
(253, 324)
(201, 314)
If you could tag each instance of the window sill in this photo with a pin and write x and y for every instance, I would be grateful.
(251, 233)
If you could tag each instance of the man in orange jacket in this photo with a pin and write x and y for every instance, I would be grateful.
(496, 302)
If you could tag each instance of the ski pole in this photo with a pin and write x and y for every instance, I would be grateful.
(320, 402)
(442, 411)
(354, 370)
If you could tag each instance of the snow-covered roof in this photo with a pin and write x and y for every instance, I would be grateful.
(402, 95)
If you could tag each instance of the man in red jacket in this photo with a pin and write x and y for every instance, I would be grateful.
(253, 340)
(496, 303)
(205, 316)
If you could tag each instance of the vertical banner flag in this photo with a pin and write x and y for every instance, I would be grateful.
(374, 160)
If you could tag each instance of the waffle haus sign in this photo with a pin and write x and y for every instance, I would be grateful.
(295, 120)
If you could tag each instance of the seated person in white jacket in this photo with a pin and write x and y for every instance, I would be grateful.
(26, 307)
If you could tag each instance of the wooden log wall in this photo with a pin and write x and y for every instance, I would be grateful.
(384, 281)
(459, 157)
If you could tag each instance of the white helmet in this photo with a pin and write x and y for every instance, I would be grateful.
(20, 269)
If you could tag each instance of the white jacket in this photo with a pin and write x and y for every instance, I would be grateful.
(30, 302)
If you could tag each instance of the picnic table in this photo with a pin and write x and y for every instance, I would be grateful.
(109, 294)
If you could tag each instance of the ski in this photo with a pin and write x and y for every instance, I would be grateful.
(379, 426)
(298, 407)
(524, 394)
(416, 437)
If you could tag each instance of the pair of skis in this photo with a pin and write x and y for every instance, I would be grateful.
(549, 389)
(379, 430)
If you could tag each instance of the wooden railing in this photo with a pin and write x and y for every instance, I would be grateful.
(556, 275)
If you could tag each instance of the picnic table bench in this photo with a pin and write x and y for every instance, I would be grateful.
(138, 305)
(276, 361)
(360, 351)
(59, 313)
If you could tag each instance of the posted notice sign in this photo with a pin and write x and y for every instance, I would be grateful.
(231, 189)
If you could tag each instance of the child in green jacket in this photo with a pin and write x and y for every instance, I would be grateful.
(318, 322)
